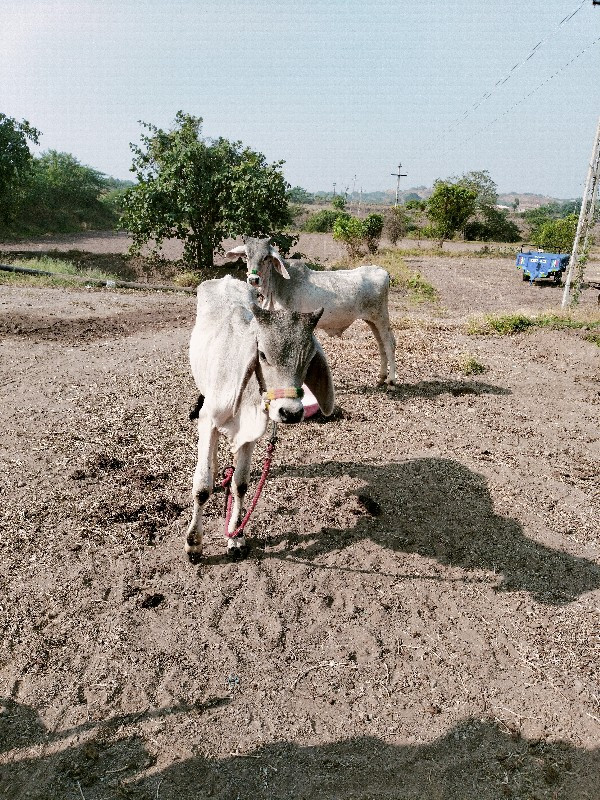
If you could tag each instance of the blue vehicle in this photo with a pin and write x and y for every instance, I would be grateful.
(537, 264)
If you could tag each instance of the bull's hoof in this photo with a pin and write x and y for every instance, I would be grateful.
(194, 556)
(237, 549)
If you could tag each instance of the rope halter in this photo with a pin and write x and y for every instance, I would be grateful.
(291, 393)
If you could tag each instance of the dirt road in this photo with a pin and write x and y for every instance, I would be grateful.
(418, 616)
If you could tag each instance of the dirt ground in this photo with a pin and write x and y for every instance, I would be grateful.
(418, 618)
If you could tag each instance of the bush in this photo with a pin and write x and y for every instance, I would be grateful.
(397, 223)
(372, 230)
(493, 227)
(349, 231)
(321, 222)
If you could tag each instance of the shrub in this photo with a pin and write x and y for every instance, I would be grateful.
(349, 231)
(321, 222)
(372, 229)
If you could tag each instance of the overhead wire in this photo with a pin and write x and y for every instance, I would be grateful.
(501, 81)
(525, 97)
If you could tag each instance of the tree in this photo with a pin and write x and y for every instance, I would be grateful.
(355, 233)
(63, 194)
(449, 208)
(15, 163)
(396, 223)
(299, 195)
(372, 230)
(349, 231)
(492, 225)
(482, 184)
(556, 236)
(200, 191)
(339, 203)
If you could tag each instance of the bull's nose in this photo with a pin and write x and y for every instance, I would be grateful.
(289, 417)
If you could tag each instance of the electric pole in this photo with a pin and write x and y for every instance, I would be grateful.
(584, 226)
(398, 175)
(334, 185)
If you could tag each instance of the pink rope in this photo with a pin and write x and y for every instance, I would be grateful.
(229, 498)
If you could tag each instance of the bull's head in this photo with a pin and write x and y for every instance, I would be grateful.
(288, 355)
(261, 257)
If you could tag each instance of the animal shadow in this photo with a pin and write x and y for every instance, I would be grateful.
(440, 509)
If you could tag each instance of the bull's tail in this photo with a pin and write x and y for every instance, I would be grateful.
(195, 410)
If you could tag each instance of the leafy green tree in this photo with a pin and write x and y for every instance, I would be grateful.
(299, 195)
(349, 231)
(200, 191)
(556, 236)
(372, 230)
(482, 184)
(449, 208)
(63, 194)
(339, 203)
(15, 163)
(321, 222)
(492, 225)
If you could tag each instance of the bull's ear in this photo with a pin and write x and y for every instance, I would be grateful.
(278, 263)
(319, 381)
(238, 251)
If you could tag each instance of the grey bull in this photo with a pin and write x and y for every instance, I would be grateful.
(249, 365)
(346, 295)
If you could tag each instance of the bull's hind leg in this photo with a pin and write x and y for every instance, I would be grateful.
(236, 546)
(208, 438)
(387, 350)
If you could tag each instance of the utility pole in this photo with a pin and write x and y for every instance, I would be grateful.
(584, 226)
(398, 175)
(334, 185)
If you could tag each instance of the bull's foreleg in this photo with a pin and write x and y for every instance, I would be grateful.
(208, 438)
(386, 341)
(236, 547)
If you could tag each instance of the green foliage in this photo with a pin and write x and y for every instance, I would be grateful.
(284, 242)
(492, 225)
(349, 231)
(339, 203)
(480, 182)
(449, 208)
(372, 230)
(556, 236)
(397, 223)
(15, 164)
(507, 324)
(355, 233)
(469, 365)
(201, 191)
(536, 218)
(64, 195)
(299, 195)
(321, 222)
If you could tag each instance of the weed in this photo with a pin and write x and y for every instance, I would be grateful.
(594, 338)
(189, 278)
(508, 324)
(469, 365)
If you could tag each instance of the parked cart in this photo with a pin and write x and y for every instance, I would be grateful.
(538, 265)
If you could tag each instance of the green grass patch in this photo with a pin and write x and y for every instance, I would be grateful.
(63, 273)
(469, 365)
(594, 338)
(509, 324)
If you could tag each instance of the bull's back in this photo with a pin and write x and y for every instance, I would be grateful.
(346, 295)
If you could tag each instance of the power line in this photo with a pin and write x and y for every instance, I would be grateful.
(514, 69)
(526, 97)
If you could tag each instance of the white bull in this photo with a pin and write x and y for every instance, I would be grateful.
(346, 295)
(240, 356)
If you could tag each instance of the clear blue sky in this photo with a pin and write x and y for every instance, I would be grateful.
(336, 88)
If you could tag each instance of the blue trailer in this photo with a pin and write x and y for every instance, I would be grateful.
(537, 264)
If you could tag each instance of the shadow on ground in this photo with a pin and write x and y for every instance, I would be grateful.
(441, 510)
(475, 760)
